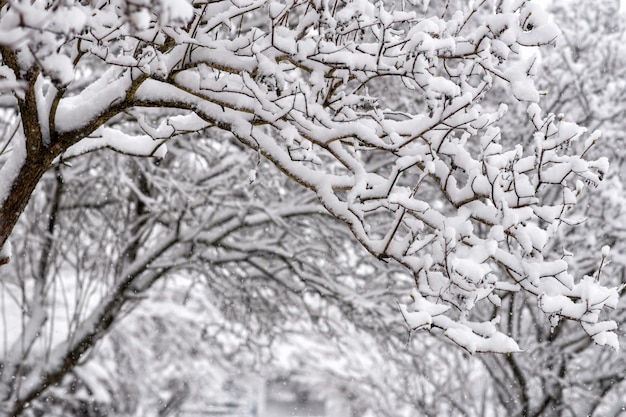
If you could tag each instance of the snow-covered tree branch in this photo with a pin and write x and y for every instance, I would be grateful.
(382, 110)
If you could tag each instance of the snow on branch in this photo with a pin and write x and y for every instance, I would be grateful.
(390, 115)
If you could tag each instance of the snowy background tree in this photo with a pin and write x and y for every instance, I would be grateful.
(390, 125)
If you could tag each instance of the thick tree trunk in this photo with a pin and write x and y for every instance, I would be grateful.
(37, 154)
(19, 194)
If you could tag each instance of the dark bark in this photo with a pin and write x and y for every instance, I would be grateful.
(19, 194)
